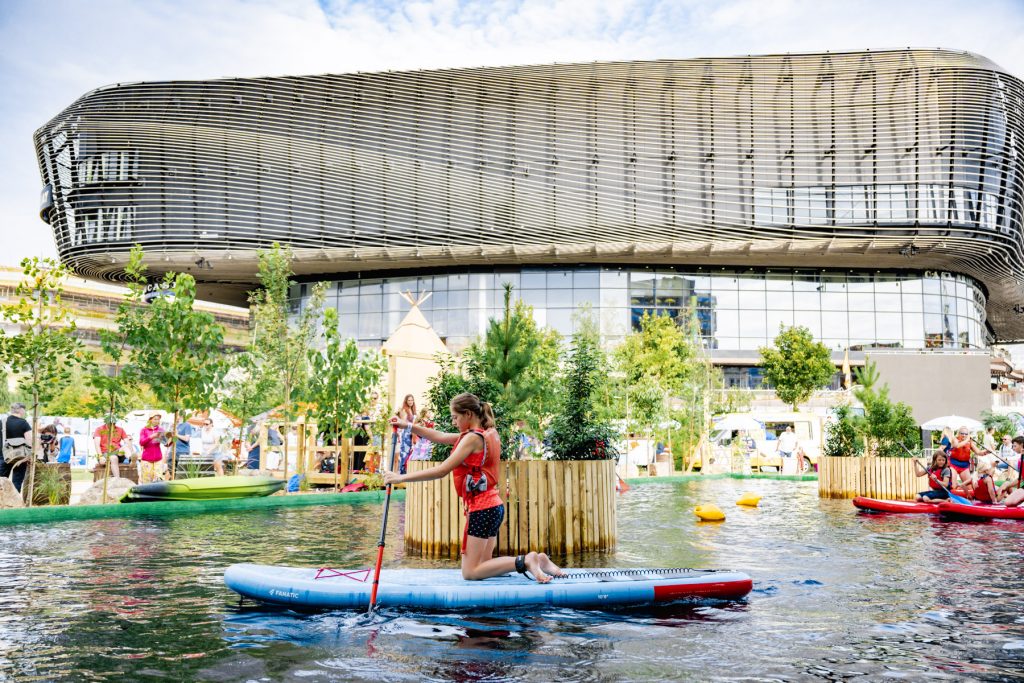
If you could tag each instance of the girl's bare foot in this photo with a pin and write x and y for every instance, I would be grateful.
(548, 566)
(536, 571)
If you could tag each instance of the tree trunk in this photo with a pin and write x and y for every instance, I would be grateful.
(174, 446)
(241, 447)
(30, 476)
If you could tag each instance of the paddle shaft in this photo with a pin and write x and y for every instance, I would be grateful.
(952, 496)
(384, 524)
(1020, 482)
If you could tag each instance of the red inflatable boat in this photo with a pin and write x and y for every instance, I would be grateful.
(949, 509)
(875, 505)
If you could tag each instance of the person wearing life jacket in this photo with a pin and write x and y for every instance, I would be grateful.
(960, 453)
(939, 474)
(984, 489)
(1011, 493)
(473, 463)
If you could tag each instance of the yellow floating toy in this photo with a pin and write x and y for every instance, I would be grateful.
(749, 499)
(709, 513)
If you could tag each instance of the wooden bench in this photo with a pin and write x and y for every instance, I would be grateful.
(127, 470)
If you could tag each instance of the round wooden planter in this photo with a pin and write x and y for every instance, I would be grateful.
(884, 478)
(557, 507)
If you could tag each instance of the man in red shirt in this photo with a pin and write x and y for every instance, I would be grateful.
(109, 440)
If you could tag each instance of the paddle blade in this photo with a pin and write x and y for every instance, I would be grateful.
(959, 499)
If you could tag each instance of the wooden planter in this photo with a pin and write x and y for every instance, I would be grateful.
(885, 478)
(561, 508)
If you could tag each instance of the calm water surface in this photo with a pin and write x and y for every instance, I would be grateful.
(837, 595)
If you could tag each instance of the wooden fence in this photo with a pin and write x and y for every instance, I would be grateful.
(557, 507)
(885, 478)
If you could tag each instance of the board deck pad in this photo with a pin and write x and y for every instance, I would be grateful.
(327, 588)
(897, 506)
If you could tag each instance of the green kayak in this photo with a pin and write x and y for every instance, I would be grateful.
(204, 488)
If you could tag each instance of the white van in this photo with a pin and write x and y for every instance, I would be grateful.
(765, 455)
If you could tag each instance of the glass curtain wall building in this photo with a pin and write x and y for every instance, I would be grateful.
(736, 310)
(874, 197)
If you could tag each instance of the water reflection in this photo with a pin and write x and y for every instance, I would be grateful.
(837, 595)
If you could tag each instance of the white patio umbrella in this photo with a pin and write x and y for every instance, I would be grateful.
(743, 423)
(951, 421)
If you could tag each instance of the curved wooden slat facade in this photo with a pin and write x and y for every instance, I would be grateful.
(892, 159)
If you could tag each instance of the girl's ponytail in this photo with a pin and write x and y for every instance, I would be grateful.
(486, 415)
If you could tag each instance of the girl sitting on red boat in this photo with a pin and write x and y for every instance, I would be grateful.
(939, 475)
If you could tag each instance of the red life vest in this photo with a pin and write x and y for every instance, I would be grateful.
(981, 492)
(475, 464)
(961, 455)
(938, 474)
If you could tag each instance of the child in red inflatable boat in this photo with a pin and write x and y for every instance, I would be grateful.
(939, 475)
(476, 451)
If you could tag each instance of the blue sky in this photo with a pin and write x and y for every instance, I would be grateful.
(55, 51)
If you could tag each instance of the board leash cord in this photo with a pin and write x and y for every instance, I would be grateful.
(361, 575)
(635, 572)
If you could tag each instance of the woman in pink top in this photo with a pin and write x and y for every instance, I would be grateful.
(151, 440)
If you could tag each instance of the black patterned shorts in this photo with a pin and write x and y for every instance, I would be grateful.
(485, 523)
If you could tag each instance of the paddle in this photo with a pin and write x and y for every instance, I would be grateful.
(952, 496)
(996, 456)
(384, 524)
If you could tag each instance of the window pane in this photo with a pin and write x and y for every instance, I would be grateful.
(811, 319)
(727, 323)
(586, 279)
(889, 330)
(533, 279)
(834, 324)
(806, 301)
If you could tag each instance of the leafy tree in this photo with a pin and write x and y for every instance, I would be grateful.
(280, 346)
(112, 390)
(576, 433)
(457, 376)
(843, 437)
(1004, 424)
(659, 350)
(46, 349)
(177, 350)
(886, 429)
(6, 395)
(664, 373)
(340, 383)
(74, 400)
(246, 391)
(797, 365)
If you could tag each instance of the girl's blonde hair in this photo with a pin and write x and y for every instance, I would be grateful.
(471, 403)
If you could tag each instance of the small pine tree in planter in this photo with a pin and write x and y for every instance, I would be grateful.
(576, 432)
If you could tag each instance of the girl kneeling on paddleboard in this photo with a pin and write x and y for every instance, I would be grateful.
(941, 475)
(476, 452)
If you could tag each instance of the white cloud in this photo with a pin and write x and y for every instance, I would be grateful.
(55, 52)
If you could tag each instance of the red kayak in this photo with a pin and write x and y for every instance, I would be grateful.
(875, 505)
(980, 511)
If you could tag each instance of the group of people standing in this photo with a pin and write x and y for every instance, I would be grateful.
(413, 446)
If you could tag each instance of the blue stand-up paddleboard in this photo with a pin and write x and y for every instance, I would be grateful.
(327, 588)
